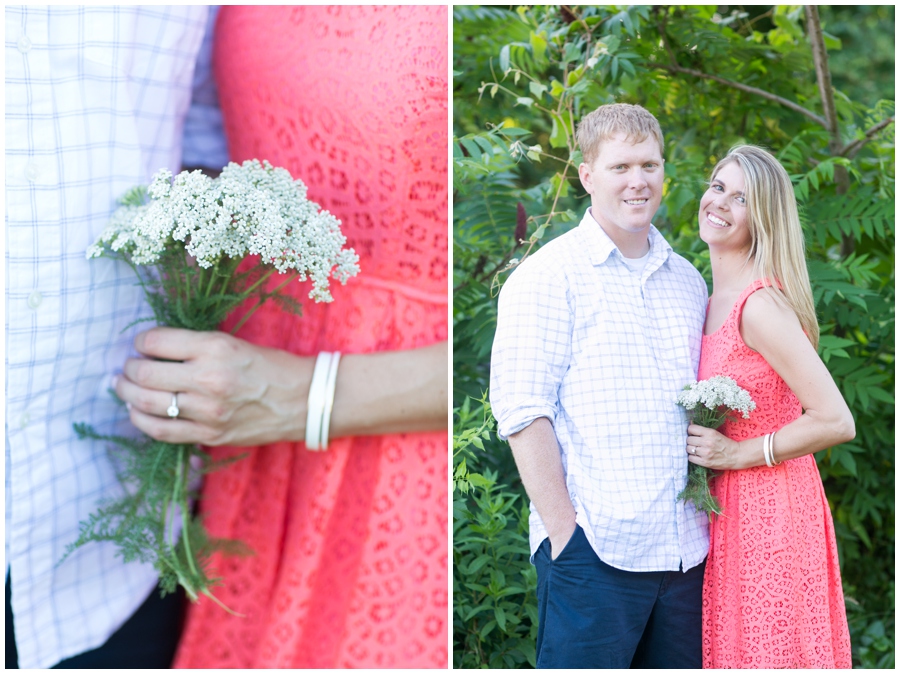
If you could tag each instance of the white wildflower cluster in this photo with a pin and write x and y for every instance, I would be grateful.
(250, 209)
(717, 392)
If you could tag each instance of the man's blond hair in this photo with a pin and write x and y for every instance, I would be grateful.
(609, 120)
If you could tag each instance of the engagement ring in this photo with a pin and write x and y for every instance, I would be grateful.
(173, 408)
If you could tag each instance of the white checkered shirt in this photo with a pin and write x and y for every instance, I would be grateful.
(602, 352)
(95, 103)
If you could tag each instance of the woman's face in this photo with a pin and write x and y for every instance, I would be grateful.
(723, 211)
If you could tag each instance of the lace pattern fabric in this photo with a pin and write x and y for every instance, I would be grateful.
(772, 595)
(351, 551)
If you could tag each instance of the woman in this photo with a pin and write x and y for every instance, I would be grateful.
(772, 592)
(350, 564)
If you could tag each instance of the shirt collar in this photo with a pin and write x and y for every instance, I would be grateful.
(600, 246)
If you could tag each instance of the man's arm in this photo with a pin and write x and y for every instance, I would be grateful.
(537, 456)
(530, 356)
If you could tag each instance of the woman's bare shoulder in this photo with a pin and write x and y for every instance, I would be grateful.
(767, 319)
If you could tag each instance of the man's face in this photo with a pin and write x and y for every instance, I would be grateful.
(625, 183)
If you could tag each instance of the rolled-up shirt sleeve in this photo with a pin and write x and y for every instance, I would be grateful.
(532, 347)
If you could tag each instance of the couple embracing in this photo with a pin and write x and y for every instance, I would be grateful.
(597, 334)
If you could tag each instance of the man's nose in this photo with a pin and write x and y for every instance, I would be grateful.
(638, 179)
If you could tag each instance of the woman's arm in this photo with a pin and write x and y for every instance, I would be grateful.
(774, 331)
(232, 392)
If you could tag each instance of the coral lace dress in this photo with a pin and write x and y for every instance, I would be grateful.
(350, 567)
(772, 594)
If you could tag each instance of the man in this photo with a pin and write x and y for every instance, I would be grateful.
(597, 333)
(96, 101)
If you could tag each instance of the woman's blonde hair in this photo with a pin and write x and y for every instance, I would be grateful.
(777, 247)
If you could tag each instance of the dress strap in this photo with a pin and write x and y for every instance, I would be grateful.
(749, 290)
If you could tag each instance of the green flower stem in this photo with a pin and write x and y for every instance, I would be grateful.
(697, 490)
(260, 303)
(212, 278)
(181, 482)
(261, 280)
(217, 601)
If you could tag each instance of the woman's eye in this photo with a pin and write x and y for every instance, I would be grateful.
(740, 200)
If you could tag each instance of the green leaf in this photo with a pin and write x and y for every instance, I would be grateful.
(537, 89)
(832, 42)
(504, 58)
(538, 46)
(500, 616)
(557, 89)
(460, 470)
(487, 629)
(558, 136)
(847, 461)
(539, 232)
(471, 147)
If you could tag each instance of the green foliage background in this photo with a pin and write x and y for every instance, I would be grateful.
(714, 77)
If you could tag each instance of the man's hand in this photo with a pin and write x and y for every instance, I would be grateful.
(229, 391)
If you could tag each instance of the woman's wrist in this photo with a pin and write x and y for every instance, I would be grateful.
(391, 392)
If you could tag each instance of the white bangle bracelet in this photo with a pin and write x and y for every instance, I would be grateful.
(329, 399)
(316, 400)
(766, 439)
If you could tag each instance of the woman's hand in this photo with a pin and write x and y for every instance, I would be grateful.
(709, 448)
(232, 392)
(229, 391)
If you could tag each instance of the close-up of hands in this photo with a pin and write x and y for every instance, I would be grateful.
(709, 448)
(226, 390)
(231, 392)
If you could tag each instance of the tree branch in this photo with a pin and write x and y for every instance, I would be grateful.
(743, 87)
(851, 149)
(823, 75)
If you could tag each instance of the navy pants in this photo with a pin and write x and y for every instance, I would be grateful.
(592, 615)
(147, 641)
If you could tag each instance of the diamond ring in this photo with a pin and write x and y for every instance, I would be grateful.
(173, 410)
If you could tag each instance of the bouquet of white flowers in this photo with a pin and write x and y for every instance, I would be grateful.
(709, 403)
(186, 239)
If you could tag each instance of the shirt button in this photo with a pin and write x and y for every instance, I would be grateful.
(24, 44)
(34, 299)
(24, 419)
(32, 172)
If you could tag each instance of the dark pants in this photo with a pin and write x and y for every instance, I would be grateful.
(147, 641)
(594, 615)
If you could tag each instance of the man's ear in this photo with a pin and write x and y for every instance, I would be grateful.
(586, 176)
